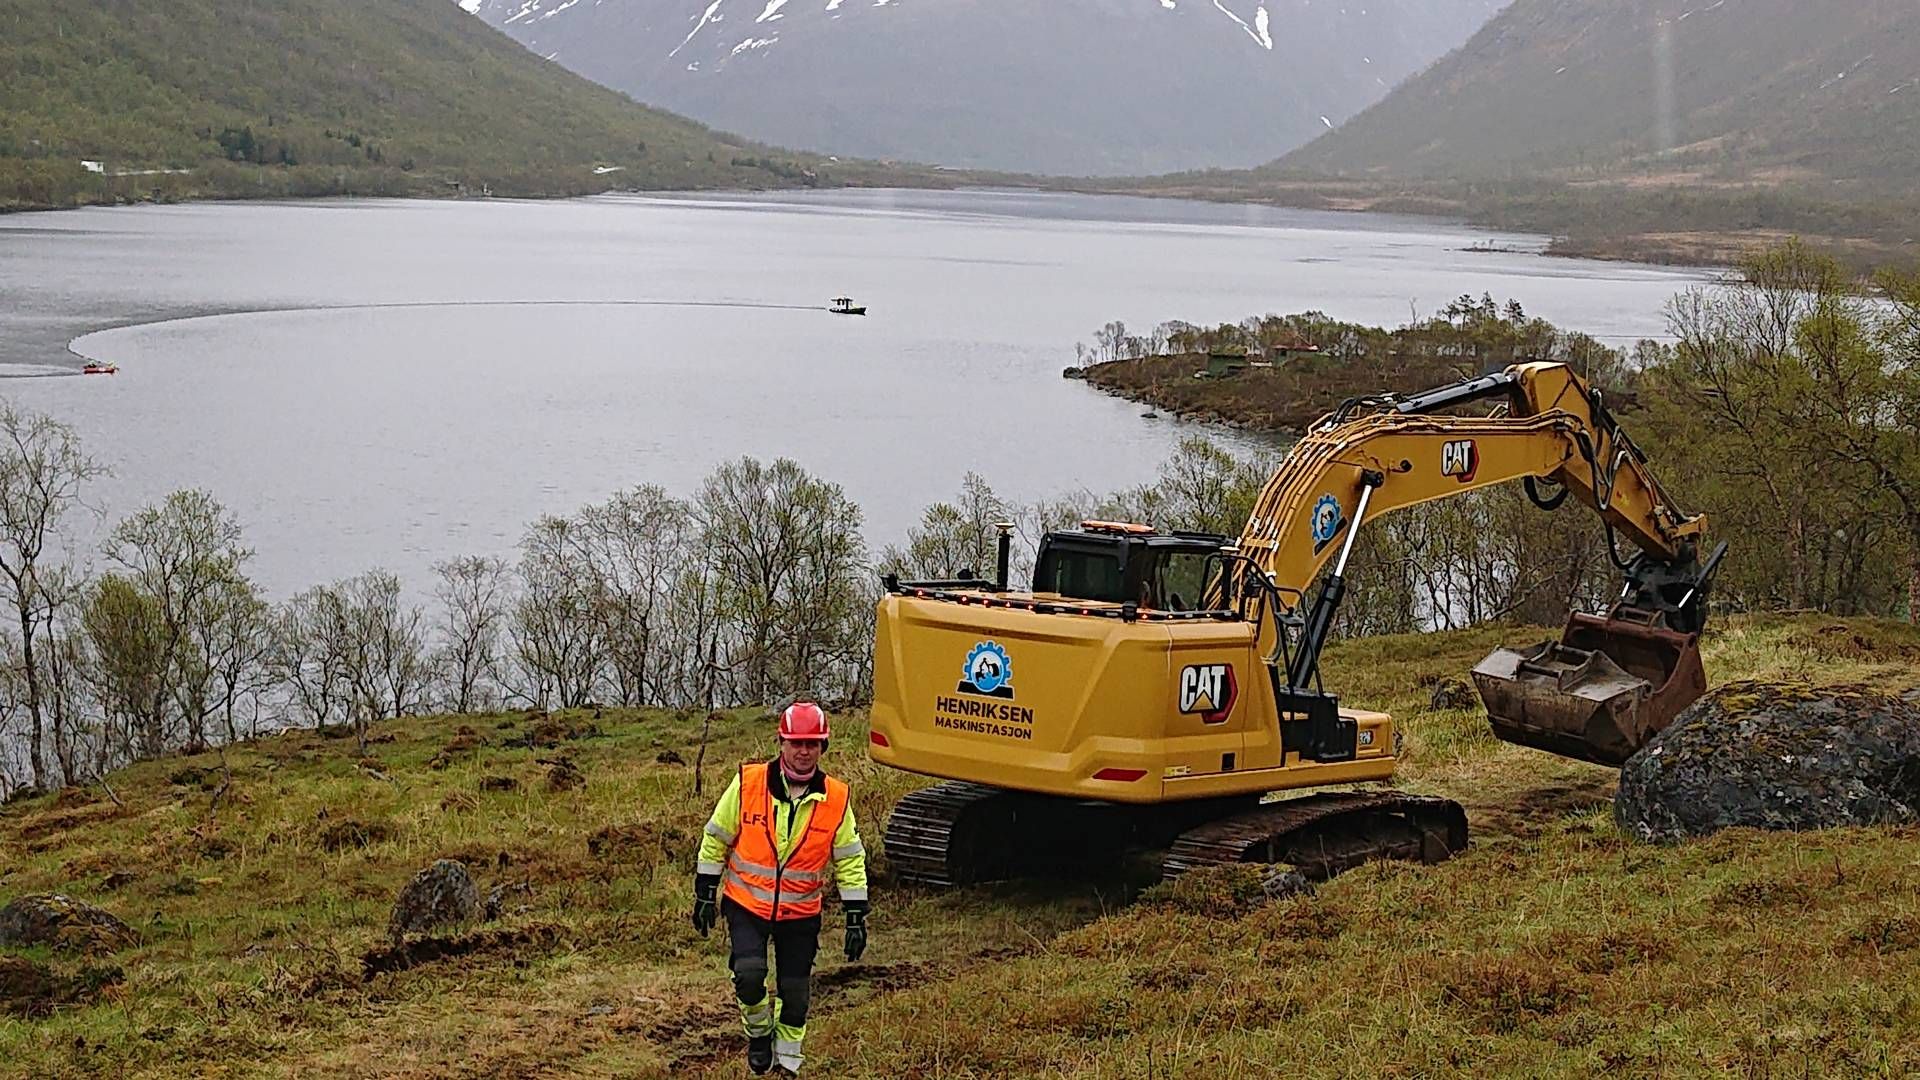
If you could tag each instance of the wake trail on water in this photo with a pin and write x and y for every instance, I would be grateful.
(296, 309)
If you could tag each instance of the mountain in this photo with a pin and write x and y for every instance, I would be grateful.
(1051, 86)
(1695, 91)
(233, 97)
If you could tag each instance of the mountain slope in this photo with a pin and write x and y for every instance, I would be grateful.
(1718, 90)
(1065, 86)
(274, 96)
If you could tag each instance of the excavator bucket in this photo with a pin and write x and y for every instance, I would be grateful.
(1599, 693)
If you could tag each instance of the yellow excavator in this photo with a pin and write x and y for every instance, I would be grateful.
(1152, 689)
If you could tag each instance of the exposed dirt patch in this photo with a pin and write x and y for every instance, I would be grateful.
(427, 950)
(195, 776)
(564, 775)
(26, 987)
(70, 797)
(1839, 641)
(499, 783)
(696, 1018)
(41, 831)
(32, 989)
(466, 743)
(884, 977)
(1527, 815)
(642, 846)
(536, 866)
(549, 732)
(1882, 933)
(353, 833)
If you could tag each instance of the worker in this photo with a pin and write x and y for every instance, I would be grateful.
(773, 837)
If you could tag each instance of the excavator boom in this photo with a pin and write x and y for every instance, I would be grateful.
(1609, 683)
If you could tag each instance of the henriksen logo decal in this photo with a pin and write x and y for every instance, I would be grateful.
(988, 671)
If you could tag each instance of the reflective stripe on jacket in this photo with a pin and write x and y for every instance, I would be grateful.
(755, 875)
(723, 828)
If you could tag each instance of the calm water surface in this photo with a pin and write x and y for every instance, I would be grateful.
(389, 383)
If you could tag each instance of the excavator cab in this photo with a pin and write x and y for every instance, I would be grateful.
(1609, 684)
(1124, 563)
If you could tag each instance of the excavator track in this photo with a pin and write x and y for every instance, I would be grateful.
(957, 833)
(1322, 835)
(921, 832)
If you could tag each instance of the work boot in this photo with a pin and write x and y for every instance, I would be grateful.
(759, 1054)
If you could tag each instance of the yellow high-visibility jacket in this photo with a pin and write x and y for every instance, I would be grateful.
(790, 819)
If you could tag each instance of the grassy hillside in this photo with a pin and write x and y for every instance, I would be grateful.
(1553, 947)
(267, 97)
(1730, 92)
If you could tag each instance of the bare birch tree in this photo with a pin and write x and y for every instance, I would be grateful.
(474, 594)
(42, 470)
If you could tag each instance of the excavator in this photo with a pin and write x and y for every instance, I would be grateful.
(1160, 692)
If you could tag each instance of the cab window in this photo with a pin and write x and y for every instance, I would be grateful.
(1082, 575)
(1178, 581)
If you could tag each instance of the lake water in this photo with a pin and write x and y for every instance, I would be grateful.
(389, 383)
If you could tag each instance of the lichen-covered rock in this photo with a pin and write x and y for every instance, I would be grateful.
(441, 895)
(1775, 756)
(62, 922)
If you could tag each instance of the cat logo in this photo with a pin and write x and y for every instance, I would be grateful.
(1460, 458)
(1209, 690)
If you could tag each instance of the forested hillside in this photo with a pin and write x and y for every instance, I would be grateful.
(265, 97)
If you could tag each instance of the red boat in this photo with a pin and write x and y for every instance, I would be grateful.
(98, 367)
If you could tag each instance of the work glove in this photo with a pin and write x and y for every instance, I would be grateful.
(706, 909)
(856, 928)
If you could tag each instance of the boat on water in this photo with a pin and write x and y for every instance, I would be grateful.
(99, 367)
(843, 305)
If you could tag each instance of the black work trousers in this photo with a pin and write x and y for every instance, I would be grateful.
(795, 941)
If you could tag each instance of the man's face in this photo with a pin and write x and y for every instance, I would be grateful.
(800, 755)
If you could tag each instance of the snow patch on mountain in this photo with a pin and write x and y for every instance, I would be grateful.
(1258, 31)
(704, 20)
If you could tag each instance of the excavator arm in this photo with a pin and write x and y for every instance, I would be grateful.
(1610, 683)
(1555, 431)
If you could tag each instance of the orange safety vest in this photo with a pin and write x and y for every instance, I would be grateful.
(755, 877)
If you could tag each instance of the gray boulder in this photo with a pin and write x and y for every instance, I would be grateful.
(64, 923)
(441, 895)
(1775, 756)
